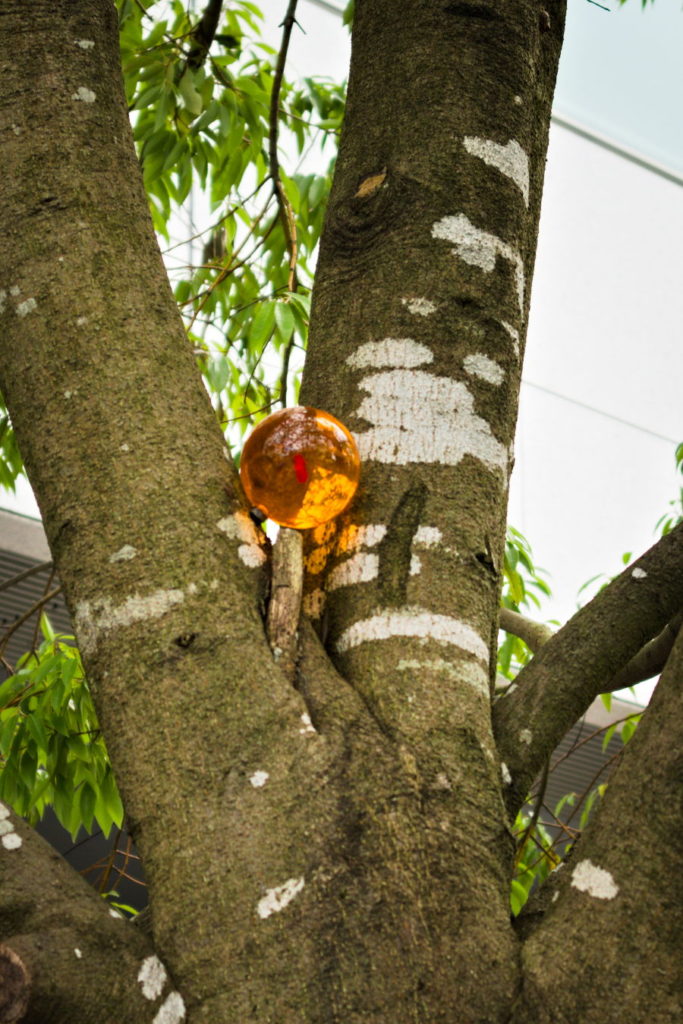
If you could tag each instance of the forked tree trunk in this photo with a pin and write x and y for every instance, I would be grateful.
(338, 851)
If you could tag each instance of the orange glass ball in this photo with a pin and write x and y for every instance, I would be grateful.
(300, 467)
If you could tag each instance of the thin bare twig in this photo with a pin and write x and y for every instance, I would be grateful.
(533, 821)
(284, 373)
(27, 615)
(286, 214)
(592, 735)
(13, 580)
(46, 590)
(593, 781)
(216, 224)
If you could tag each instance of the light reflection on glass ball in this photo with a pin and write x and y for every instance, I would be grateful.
(300, 467)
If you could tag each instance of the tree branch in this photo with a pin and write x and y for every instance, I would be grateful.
(622, 890)
(534, 634)
(285, 599)
(650, 659)
(204, 33)
(286, 213)
(15, 986)
(36, 606)
(648, 662)
(64, 956)
(20, 576)
(581, 659)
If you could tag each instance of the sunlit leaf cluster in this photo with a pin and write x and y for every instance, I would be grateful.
(204, 132)
(51, 749)
(11, 465)
(524, 586)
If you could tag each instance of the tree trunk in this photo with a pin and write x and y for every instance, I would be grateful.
(337, 850)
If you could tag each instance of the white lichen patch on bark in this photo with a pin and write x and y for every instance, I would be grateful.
(639, 574)
(517, 100)
(479, 365)
(510, 160)
(587, 877)
(85, 44)
(514, 334)
(259, 779)
(10, 839)
(354, 537)
(505, 773)
(419, 417)
(84, 94)
(414, 622)
(420, 307)
(314, 603)
(401, 352)
(240, 527)
(307, 727)
(78, 953)
(26, 307)
(92, 618)
(474, 675)
(479, 248)
(277, 899)
(152, 977)
(525, 736)
(172, 1010)
(477, 677)
(415, 565)
(124, 554)
(428, 536)
(251, 555)
(360, 568)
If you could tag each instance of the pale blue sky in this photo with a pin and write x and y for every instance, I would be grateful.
(621, 74)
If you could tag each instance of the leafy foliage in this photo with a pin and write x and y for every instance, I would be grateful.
(11, 465)
(670, 519)
(524, 585)
(51, 749)
(203, 134)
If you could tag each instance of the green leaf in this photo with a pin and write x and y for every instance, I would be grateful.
(284, 319)
(262, 325)
(518, 896)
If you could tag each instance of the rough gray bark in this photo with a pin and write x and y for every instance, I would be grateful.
(618, 914)
(581, 659)
(62, 953)
(337, 850)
